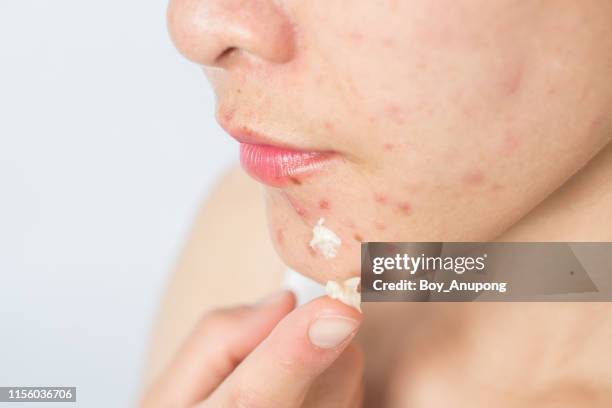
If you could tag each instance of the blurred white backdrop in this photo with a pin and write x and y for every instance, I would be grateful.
(107, 146)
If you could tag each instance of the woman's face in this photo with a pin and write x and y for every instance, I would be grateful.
(439, 120)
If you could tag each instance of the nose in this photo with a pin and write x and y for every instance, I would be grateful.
(208, 31)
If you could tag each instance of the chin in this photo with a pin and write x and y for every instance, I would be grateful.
(291, 234)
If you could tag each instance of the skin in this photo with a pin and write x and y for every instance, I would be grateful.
(453, 121)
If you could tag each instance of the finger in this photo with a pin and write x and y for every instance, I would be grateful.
(280, 370)
(339, 386)
(219, 343)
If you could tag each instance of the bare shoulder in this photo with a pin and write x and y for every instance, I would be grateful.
(228, 259)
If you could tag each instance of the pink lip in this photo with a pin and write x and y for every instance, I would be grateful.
(277, 166)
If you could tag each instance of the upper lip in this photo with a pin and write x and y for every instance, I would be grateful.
(245, 134)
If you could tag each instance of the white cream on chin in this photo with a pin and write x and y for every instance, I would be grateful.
(324, 240)
(346, 292)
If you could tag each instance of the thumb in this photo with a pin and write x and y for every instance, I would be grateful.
(222, 339)
(279, 372)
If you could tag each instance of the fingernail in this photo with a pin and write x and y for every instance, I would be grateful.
(273, 298)
(330, 331)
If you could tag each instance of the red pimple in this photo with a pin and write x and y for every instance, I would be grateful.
(388, 146)
(474, 178)
(510, 143)
(388, 42)
(356, 36)
(297, 207)
(328, 125)
(405, 207)
(381, 198)
(280, 236)
(395, 112)
(512, 82)
(324, 205)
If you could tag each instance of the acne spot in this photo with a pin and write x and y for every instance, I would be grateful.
(596, 124)
(297, 207)
(388, 42)
(510, 143)
(328, 125)
(280, 236)
(295, 181)
(356, 36)
(324, 205)
(358, 238)
(381, 198)
(394, 111)
(379, 226)
(473, 178)
(405, 208)
(512, 82)
(388, 146)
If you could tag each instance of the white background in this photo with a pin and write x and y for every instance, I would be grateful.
(107, 146)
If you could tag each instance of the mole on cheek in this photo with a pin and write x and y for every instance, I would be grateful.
(358, 238)
(295, 181)
(324, 205)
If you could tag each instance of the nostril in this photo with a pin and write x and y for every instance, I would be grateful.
(226, 54)
(220, 32)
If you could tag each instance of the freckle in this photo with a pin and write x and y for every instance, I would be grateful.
(358, 238)
(380, 226)
(279, 236)
(497, 187)
(239, 90)
(473, 178)
(405, 207)
(388, 146)
(381, 198)
(324, 205)
(295, 181)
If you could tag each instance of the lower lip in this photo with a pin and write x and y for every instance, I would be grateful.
(276, 166)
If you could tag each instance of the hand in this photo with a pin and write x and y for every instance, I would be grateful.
(267, 356)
